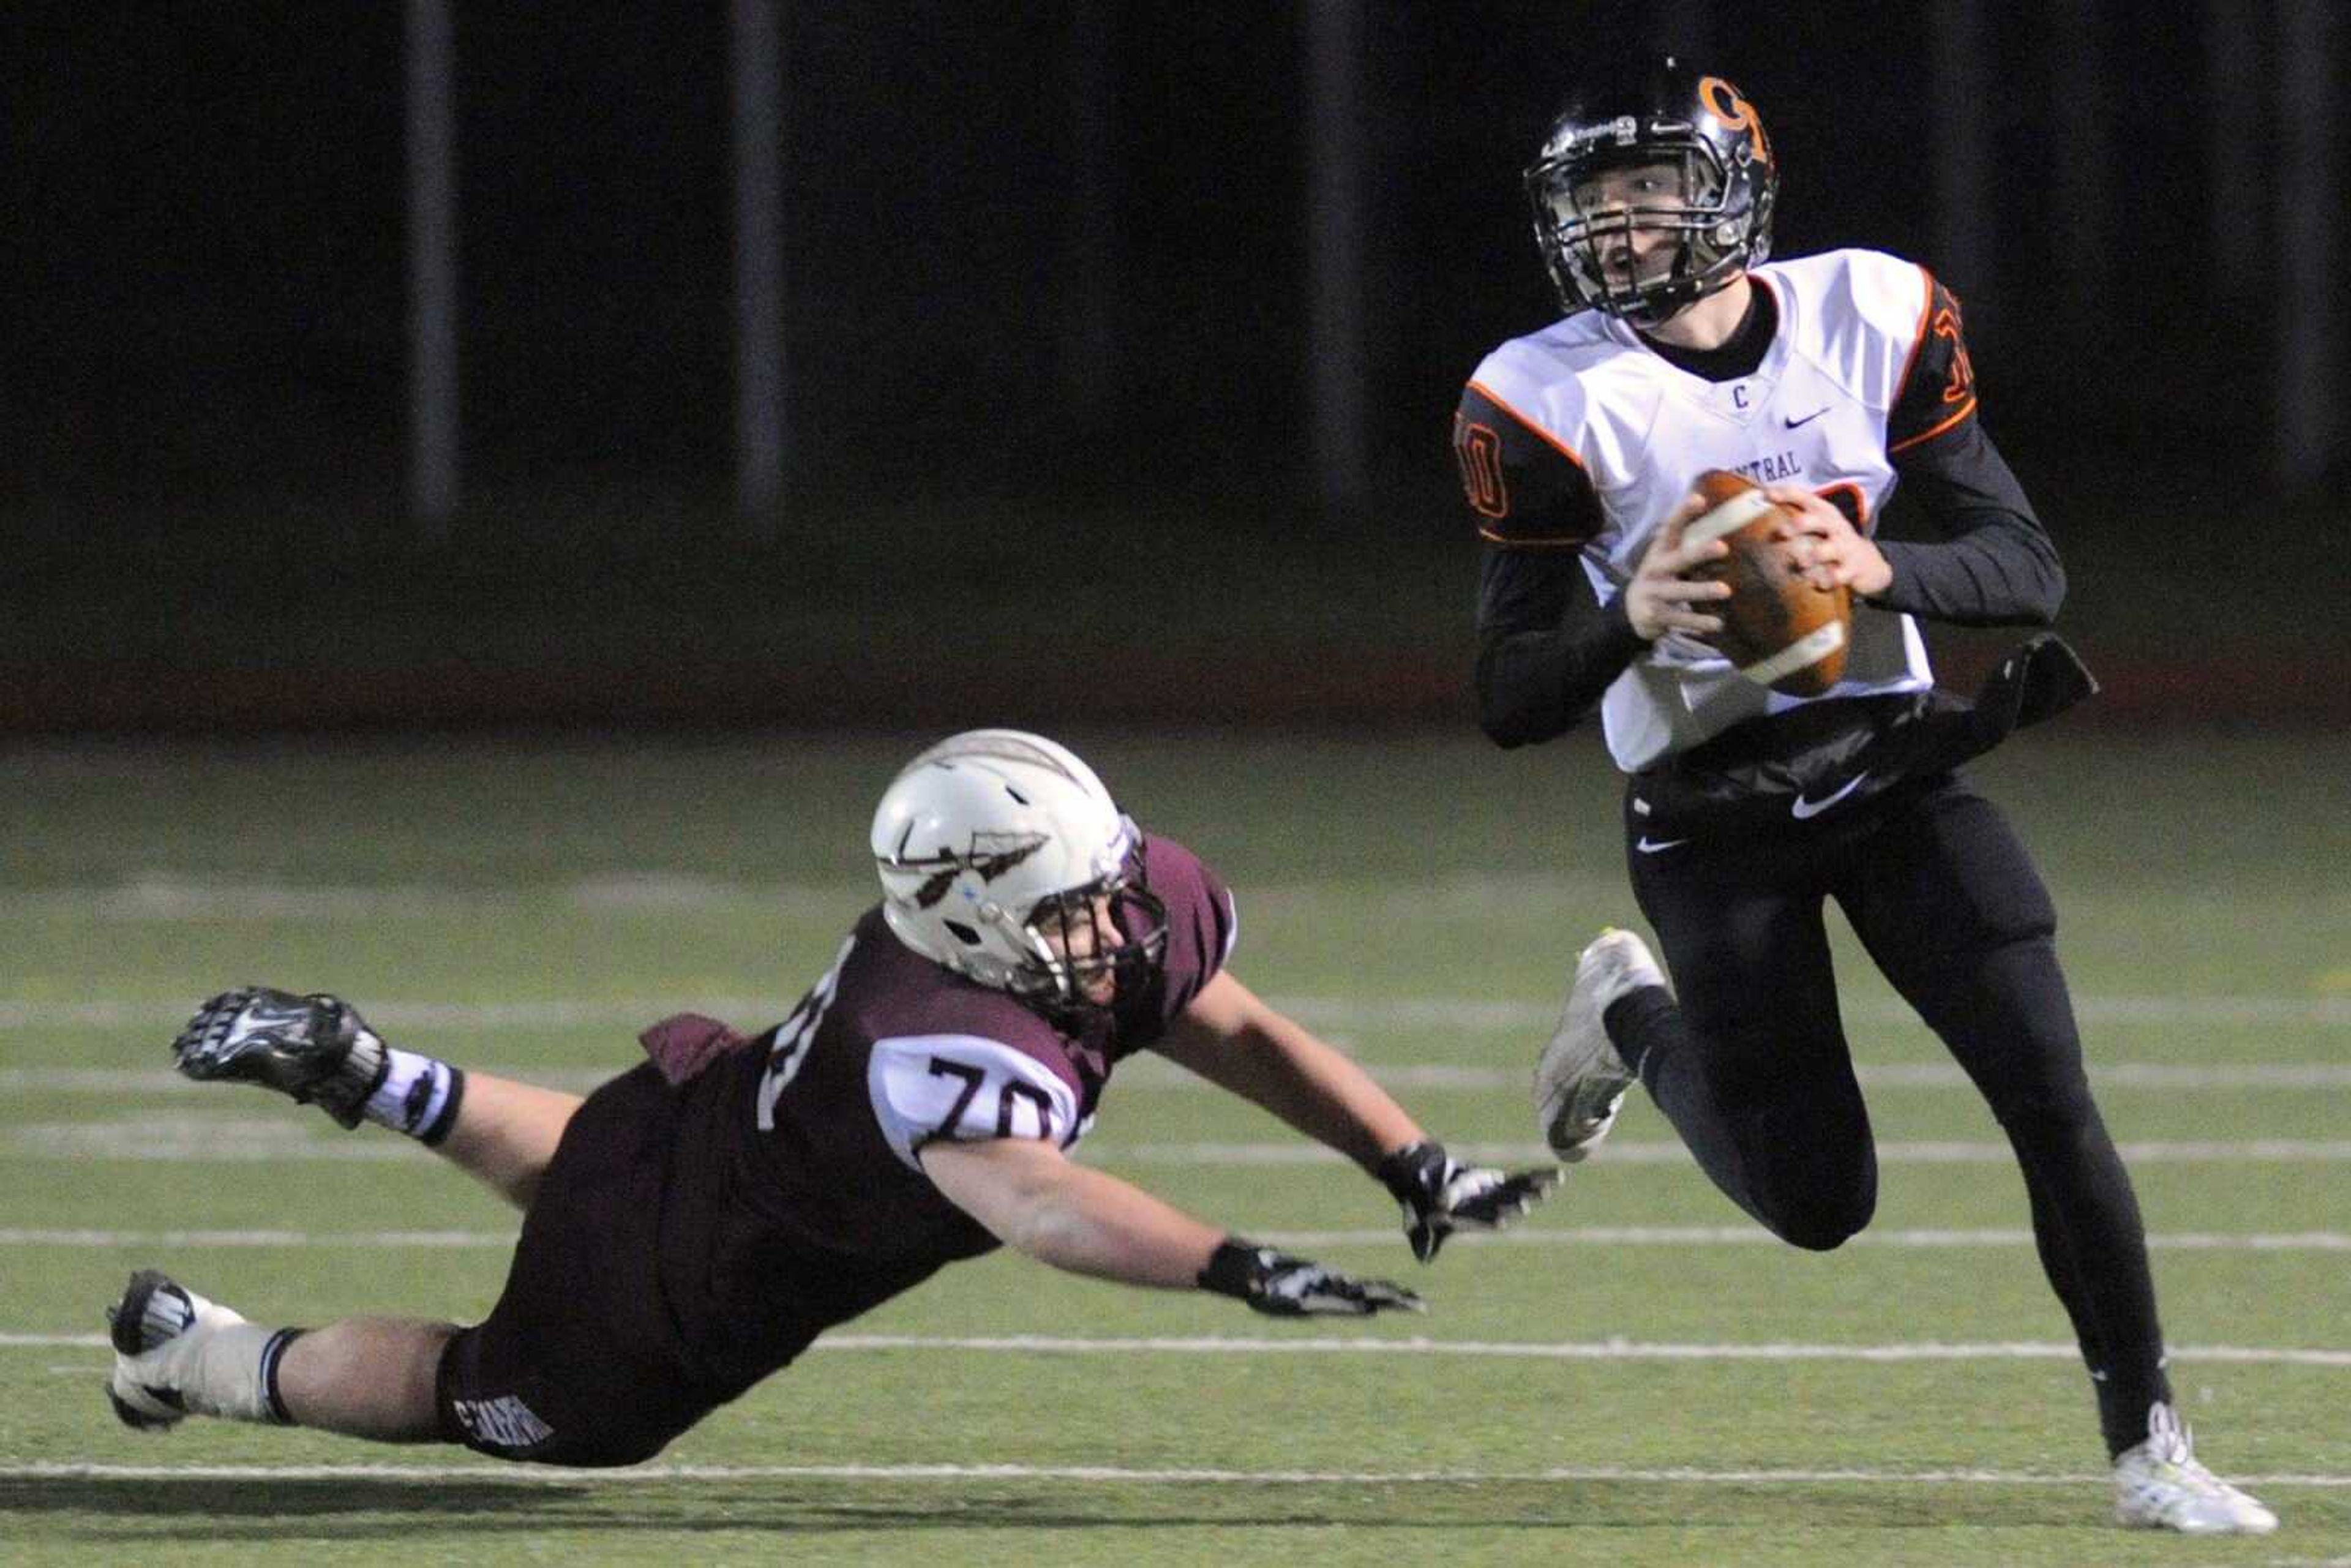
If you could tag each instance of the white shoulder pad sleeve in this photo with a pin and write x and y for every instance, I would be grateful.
(963, 1086)
(1539, 388)
(1890, 298)
(1886, 290)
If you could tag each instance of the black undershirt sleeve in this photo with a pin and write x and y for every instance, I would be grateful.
(1993, 563)
(1547, 648)
(1989, 562)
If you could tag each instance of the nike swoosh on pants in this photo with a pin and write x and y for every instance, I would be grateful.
(1805, 809)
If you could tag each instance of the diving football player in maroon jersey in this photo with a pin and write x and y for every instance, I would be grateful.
(692, 1226)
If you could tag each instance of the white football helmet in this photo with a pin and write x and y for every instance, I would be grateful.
(992, 839)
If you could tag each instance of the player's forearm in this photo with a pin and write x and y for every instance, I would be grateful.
(1993, 563)
(1995, 573)
(1534, 684)
(1279, 1065)
(1547, 647)
(1030, 1198)
(1089, 1223)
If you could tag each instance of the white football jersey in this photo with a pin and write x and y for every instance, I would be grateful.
(1814, 412)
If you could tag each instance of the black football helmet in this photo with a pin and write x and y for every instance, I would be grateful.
(1711, 180)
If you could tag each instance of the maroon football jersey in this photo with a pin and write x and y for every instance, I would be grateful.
(796, 1199)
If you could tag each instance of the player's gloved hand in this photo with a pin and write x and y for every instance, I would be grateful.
(316, 1048)
(1440, 1194)
(1284, 1287)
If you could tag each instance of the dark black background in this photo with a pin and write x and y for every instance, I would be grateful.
(204, 273)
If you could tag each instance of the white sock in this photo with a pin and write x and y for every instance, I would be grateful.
(418, 1096)
(221, 1366)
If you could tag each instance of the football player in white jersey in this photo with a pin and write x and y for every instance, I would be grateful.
(1829, 380)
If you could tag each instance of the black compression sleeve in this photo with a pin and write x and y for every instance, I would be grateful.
(1994, 564)
(1547, 648)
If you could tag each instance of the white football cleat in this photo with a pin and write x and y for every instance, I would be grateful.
(1579, 1081)
(168, 1358)
(2158, 1485)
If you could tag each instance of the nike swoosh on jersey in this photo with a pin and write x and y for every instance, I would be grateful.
(1649, 846)
(1808, 419)
(1805, 809)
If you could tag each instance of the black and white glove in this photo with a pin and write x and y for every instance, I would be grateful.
(316, 1048)
(1284, 1287)
(1440, 1194)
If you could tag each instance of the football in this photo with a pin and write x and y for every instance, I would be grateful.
(1779, 628)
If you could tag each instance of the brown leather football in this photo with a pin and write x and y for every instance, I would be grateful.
(1778, 628)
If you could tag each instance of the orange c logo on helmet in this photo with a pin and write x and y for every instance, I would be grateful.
(1722, 101)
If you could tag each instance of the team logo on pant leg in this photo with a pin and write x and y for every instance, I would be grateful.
(504, 1422)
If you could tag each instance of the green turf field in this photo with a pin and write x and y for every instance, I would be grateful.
(1636, 1377)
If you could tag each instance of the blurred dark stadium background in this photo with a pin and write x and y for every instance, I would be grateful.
(891, 366)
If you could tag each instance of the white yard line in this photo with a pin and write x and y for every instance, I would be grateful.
(1522, 1235)
(366, 1241)
(1594, 1350)
(193, 1139)
(199, 1139)
(130, 1080)
(1153, 1075)
(1957, 1153)
(1451, 1015)
(1095, 1473)
(2292, 1151)
(1108, 1475)
(163, 897)
(622, 1013)
(1458, 1014)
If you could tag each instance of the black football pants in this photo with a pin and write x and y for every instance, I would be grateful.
(1753, 1070)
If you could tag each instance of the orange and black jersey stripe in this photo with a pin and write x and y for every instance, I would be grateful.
(1526, 488)
(1938, 394)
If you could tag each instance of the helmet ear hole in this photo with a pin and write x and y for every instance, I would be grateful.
(961, 933)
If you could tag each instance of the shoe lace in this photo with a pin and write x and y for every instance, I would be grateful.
(2167, 1437)
(2171, 1445)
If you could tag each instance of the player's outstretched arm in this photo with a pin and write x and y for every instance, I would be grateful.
(1034, 1200)
(1231, 1038)
(1038, 1202)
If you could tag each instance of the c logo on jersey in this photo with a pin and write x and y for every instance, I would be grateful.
(1479, 450)
(1722, 101)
